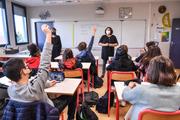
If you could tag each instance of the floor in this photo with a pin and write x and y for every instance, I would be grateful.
(101, 91)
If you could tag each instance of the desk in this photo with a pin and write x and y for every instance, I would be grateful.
(86, 66)
(15, 56)
(58, 57)
(119, 86)
(5, 81)
(66, 87)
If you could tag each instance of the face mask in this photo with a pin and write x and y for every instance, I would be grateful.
(108, 32)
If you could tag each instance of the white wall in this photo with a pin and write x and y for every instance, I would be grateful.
(173, 8)
(11, 27)
(87, 13)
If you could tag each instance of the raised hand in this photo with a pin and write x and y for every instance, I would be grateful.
(94, 30)
(45, 28)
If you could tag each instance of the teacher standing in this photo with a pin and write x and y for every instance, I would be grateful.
(108, 42)
(57, 46)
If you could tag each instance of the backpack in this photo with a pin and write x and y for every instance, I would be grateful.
(102, 104)
(84, 112)
(90, 98)
(98, 82)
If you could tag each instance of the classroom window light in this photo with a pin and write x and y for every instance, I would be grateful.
(3, 23)
(20, 24)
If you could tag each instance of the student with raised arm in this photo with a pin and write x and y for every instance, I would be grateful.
(108, 42)
(24, 90)
(86, 55)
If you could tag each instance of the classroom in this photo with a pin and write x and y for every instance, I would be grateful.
(90, 59)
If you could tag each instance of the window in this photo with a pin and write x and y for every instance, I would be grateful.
(20, 24)
(3, 23)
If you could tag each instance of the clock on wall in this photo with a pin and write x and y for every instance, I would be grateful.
(162, 9)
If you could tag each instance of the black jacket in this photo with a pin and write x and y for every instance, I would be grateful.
(56, 41)
(107, 51)
(121, 62)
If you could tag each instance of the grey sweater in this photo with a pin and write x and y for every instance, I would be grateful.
(152, 96)
(34, 89)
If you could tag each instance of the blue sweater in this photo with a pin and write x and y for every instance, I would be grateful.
(86, 55)
(152, 96)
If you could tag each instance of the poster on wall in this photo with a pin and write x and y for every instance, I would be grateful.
(164, 36)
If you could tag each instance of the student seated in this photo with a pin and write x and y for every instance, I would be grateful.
(23, 90)
(161, 93)
(86, 55)
(144, 63)
(34, 61)
(69, 61)
(145, 50)
(122, 61)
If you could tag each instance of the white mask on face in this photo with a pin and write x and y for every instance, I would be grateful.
(108, 32)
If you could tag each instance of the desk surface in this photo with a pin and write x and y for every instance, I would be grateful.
(4, 80)
(15, 56)
(85, 65)
(60, 57)
(67, 87)
(119, 89)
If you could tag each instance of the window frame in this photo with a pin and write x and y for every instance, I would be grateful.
(24, 8)
(4, 3)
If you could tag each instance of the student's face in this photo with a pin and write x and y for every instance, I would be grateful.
(26, 71)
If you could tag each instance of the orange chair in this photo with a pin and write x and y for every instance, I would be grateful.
(73, 74)
(118, 76)
(149, 114)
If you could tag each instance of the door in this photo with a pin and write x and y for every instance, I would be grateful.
(175, 43)
(40, 36)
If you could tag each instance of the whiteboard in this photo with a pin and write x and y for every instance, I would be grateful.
(83, 30)
(66, 32)
(133, 33)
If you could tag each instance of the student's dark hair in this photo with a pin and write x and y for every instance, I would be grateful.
(12, 69)
(152, 43)
(34, 50)
(67, 54)
(124, 47)
(152, 52)
(53, 29)
(110, 30)
(82, 46)
(161, 71)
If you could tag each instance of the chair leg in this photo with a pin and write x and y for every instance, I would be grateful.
(61, 116)
(117, 108)
(109, 96)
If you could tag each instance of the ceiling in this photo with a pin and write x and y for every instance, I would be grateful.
(74, 2)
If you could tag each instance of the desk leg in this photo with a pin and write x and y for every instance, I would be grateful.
(117, 108)
(97, 66)
(89, 81)
(77, 99)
